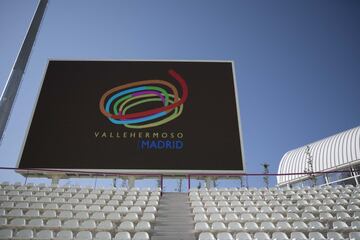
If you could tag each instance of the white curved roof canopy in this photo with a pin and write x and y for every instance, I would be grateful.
(329, 153)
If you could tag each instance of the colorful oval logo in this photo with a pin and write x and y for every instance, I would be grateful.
(118, 101)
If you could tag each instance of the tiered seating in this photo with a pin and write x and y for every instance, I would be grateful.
(74, 212)
(279, 214)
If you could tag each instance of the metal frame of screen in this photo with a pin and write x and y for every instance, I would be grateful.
(134, 171)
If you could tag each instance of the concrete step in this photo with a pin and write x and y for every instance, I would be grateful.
(177, 237)
(178, 228)
(173, 213)
(175, 208)
(169, 206)
(173, 233)
(174, 220)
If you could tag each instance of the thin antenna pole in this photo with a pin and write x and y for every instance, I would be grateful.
(12, 84)
(310, 168)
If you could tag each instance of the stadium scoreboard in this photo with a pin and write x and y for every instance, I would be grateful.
(136, 116)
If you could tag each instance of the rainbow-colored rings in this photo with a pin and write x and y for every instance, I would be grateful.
(116, 102)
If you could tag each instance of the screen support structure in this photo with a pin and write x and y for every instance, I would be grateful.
(12, 84)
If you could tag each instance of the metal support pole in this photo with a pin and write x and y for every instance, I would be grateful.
(209, 182)
(189, 183)
(55, 180)
(161, 184)
(12, 84)
(131, 182)
(353, 173)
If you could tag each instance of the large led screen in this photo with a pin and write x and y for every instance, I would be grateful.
(136, 116)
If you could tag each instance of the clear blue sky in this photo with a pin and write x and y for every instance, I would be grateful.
(297, 62)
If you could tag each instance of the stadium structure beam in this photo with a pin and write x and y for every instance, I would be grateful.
(13, 82)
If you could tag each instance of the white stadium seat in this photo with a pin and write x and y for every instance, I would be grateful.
(133, 217)
(279, 236)
(102, 236)
(141, 236)
(136, 209)
(105, 225)
(122, 236)
(35, 223)
(231, 217)
(234, 227)
(300, 226)
(98, 216)
(316, 226)
(224, 236)
(84, 235)
(267, 227)
(326, 216)
(340, 226)
(343, 216)
(115, 217)
(15, 213)
(87, 225)
(251, 227)
(243, 236)
(216, 217)
(202, 227)
(284, 226)
(298, 236)
(71, 224)
(293, 217)
(48, 214)
(44, 235)
(206, 236)
(150, 209)
(17, 223)
(6, 233)
(316, 236)
(122, 210)
(143, 226)
(126, 226)
(261, 236)
(200, 217)
(82, 215)
(218, 227)
(335, 236)
(24, 234)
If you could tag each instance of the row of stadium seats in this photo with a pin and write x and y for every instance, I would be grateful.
(88, 202)
(275, 217)
(26, 234)
(277, 192)
(280, 236)
(299, 226)
(294, 197)
(277, 209)
(48, 214)
(114, 201)
(272, 189)
(354, 203)
(79, 194)
(75, 224)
